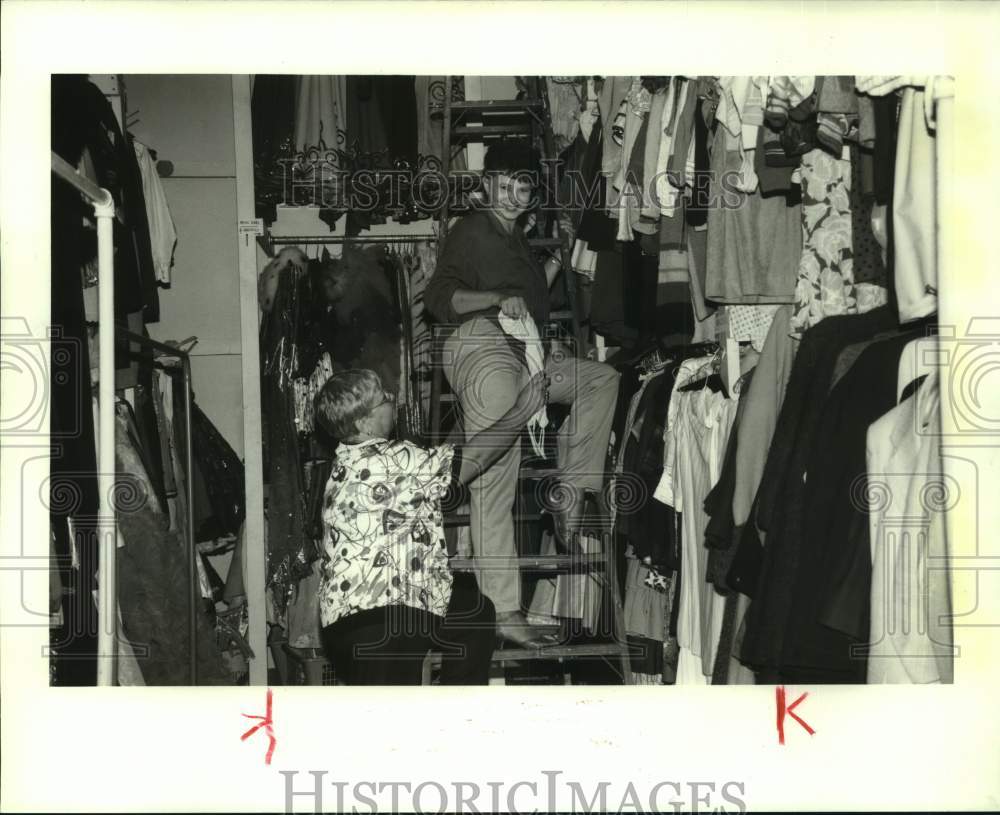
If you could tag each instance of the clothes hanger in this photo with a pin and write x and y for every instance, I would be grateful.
(919, 358)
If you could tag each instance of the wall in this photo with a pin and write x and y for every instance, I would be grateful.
(188, 121)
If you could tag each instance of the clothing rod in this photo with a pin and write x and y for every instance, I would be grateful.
(107, 567)
(94, 194)
(315, 240)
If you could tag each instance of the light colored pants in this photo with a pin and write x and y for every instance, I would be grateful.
(486, 376)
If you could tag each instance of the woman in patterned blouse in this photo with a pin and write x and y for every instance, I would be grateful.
(387, 595)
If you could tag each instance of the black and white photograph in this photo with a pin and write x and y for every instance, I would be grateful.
(454, 390)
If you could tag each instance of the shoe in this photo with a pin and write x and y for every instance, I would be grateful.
(514, 628)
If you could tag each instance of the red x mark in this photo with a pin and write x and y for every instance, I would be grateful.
(266, 722)
(779, 697)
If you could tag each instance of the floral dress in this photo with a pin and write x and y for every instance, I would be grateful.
(826, 271)
(383, 536)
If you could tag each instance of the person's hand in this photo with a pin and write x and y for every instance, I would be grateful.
(514, 307)
(533, 396)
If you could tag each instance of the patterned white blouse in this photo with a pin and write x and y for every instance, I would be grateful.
(383, 535)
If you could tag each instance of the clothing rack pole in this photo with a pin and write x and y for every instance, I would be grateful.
(107, 590)
(185, 359)
(319, 240)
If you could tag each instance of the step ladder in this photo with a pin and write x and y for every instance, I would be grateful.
(488, 121)
(445, 425)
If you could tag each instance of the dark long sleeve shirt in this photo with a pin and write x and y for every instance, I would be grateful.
(480, 255)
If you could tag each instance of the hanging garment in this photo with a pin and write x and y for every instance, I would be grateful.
(780, 497)
(914, 213)
(754, 243)
(611, 102)
(430, 128)
(831, 582)
(321, 112)
(83, 121)
(565, 101)
(866, 253)
(290, 551)
(162, 235)
(153, 579)
(910, 636)
(702, 426)
(760, 403)
(826, 272)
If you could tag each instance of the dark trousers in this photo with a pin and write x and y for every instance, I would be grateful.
(387, 646)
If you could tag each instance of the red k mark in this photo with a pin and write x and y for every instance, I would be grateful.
(265, 721)
(779, 698)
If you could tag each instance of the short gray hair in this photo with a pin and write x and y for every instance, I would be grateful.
(346, 397)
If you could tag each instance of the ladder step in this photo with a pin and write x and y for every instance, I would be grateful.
(563, 315)
(556, 242)
(489, 105)
(452, 521)
(560, 652)
(562, 563)
(487, 131)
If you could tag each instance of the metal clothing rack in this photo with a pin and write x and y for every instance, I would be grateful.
(107, 584)
(269, 241)
(185, 359)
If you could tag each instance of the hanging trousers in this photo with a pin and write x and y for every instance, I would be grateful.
(387, 646)
(486, 375)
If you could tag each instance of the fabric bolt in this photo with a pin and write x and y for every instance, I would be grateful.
(910, 638)
(486, 375)
(525, 330)
(826, 270)
(754, 243)
(914, 213)
(162, 234)
(780, 497)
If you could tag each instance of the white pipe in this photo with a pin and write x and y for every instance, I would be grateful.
(107, 577)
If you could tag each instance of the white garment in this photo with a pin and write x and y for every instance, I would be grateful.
(666, 193)
(704, 420)
(524, 329)
(162, 235)
(687, 371)
(914, 211)
(320, 110)
(910, 636)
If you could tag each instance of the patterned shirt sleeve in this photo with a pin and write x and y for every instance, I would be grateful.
(434, 468)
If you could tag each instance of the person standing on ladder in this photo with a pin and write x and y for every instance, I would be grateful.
(486, 269)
